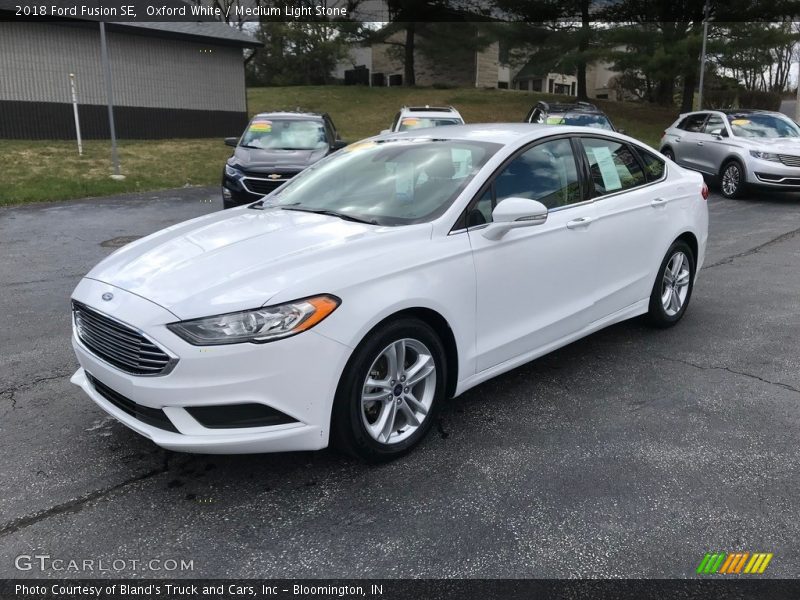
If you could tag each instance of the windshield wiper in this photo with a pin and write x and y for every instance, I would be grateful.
(249, 146)
(332, 213)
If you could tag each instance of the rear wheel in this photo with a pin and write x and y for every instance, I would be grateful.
(673, 287)
(732, 179)
(390, 391)
(669, 154)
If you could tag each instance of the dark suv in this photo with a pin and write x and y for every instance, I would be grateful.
(275, 147)
(581, 114)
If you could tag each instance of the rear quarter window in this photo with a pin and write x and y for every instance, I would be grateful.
(654, 167)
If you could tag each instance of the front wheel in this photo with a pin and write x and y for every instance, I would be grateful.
(673, 287)
(732, 179)
(390, 391)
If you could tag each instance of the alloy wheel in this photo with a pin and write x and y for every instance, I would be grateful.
(398, 391)
(731, 179)
(675, 284)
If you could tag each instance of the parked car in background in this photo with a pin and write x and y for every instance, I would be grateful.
(740, 147)
(275, 147)
(580, 114)
(348, 305)
(421, 117)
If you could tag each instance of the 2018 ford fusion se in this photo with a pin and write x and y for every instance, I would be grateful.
(345, 307)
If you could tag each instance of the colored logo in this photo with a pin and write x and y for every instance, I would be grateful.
(734, 563)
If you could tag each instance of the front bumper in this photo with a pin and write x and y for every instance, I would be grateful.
(772, 174)
(297, 376)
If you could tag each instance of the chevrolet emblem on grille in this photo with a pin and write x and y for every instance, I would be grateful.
(274, 176)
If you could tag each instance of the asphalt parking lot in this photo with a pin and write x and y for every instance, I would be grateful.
(630, 453)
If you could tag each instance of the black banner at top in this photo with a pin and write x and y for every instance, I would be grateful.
(376, 11)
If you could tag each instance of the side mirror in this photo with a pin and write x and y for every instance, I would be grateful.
(232, 141)
(339, 144)
(513, 213)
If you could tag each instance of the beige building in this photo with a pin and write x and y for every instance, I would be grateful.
(485, 68)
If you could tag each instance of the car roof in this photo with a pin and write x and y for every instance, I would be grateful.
(290, 114)
(500, 133)
(432, 112)
(731, 111)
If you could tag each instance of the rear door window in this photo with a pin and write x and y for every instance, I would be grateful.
(653, 166)
(613, 166)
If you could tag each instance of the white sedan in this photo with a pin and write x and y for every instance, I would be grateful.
(349, 304)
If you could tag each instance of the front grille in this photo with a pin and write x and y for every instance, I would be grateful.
(790, 160)
(257, 183)
(145, 414)
(118, 344)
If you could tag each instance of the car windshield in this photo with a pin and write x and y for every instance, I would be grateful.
(755, 125)
(407, 123)
(386, 182)
(581, 120)
(285, 134)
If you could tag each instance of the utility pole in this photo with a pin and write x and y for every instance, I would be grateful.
(110, 100)
(75, 112)
(797, 100)
(706, 10)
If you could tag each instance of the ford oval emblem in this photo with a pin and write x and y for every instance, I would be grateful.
(107, 296)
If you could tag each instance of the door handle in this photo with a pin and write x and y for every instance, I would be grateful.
(656, 202)
(579, 222)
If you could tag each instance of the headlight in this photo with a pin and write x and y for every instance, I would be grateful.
(232, 171)
(765, 155)
(259, 325)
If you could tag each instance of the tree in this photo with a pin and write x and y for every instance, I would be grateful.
(662, 39)
(563, 28)
(759, 55)
(297, 53)
(431, 27)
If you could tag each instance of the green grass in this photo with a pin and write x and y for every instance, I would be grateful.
(37, 171)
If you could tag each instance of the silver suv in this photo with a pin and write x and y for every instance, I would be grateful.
(741, 147)
(419, 117)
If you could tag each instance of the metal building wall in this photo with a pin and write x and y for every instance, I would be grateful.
(162, 87)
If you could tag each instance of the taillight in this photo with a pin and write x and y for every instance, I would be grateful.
(665, 133)
(704, 191)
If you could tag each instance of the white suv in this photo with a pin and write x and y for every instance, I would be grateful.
(421, 117)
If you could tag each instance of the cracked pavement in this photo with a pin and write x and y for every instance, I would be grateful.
(630, 453)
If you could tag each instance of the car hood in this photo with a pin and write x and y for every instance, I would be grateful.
(252, 159)
(239, 259)
(782, 145)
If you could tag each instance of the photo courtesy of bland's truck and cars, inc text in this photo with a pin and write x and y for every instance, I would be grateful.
(394, 299)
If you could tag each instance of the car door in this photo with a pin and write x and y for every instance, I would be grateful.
(534, 284)
(632, 212)
(687, 145)
(714, 144)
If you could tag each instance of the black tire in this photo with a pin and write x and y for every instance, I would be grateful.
(669, 154)
(738, 183)
(658, 315)
(348, 431)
